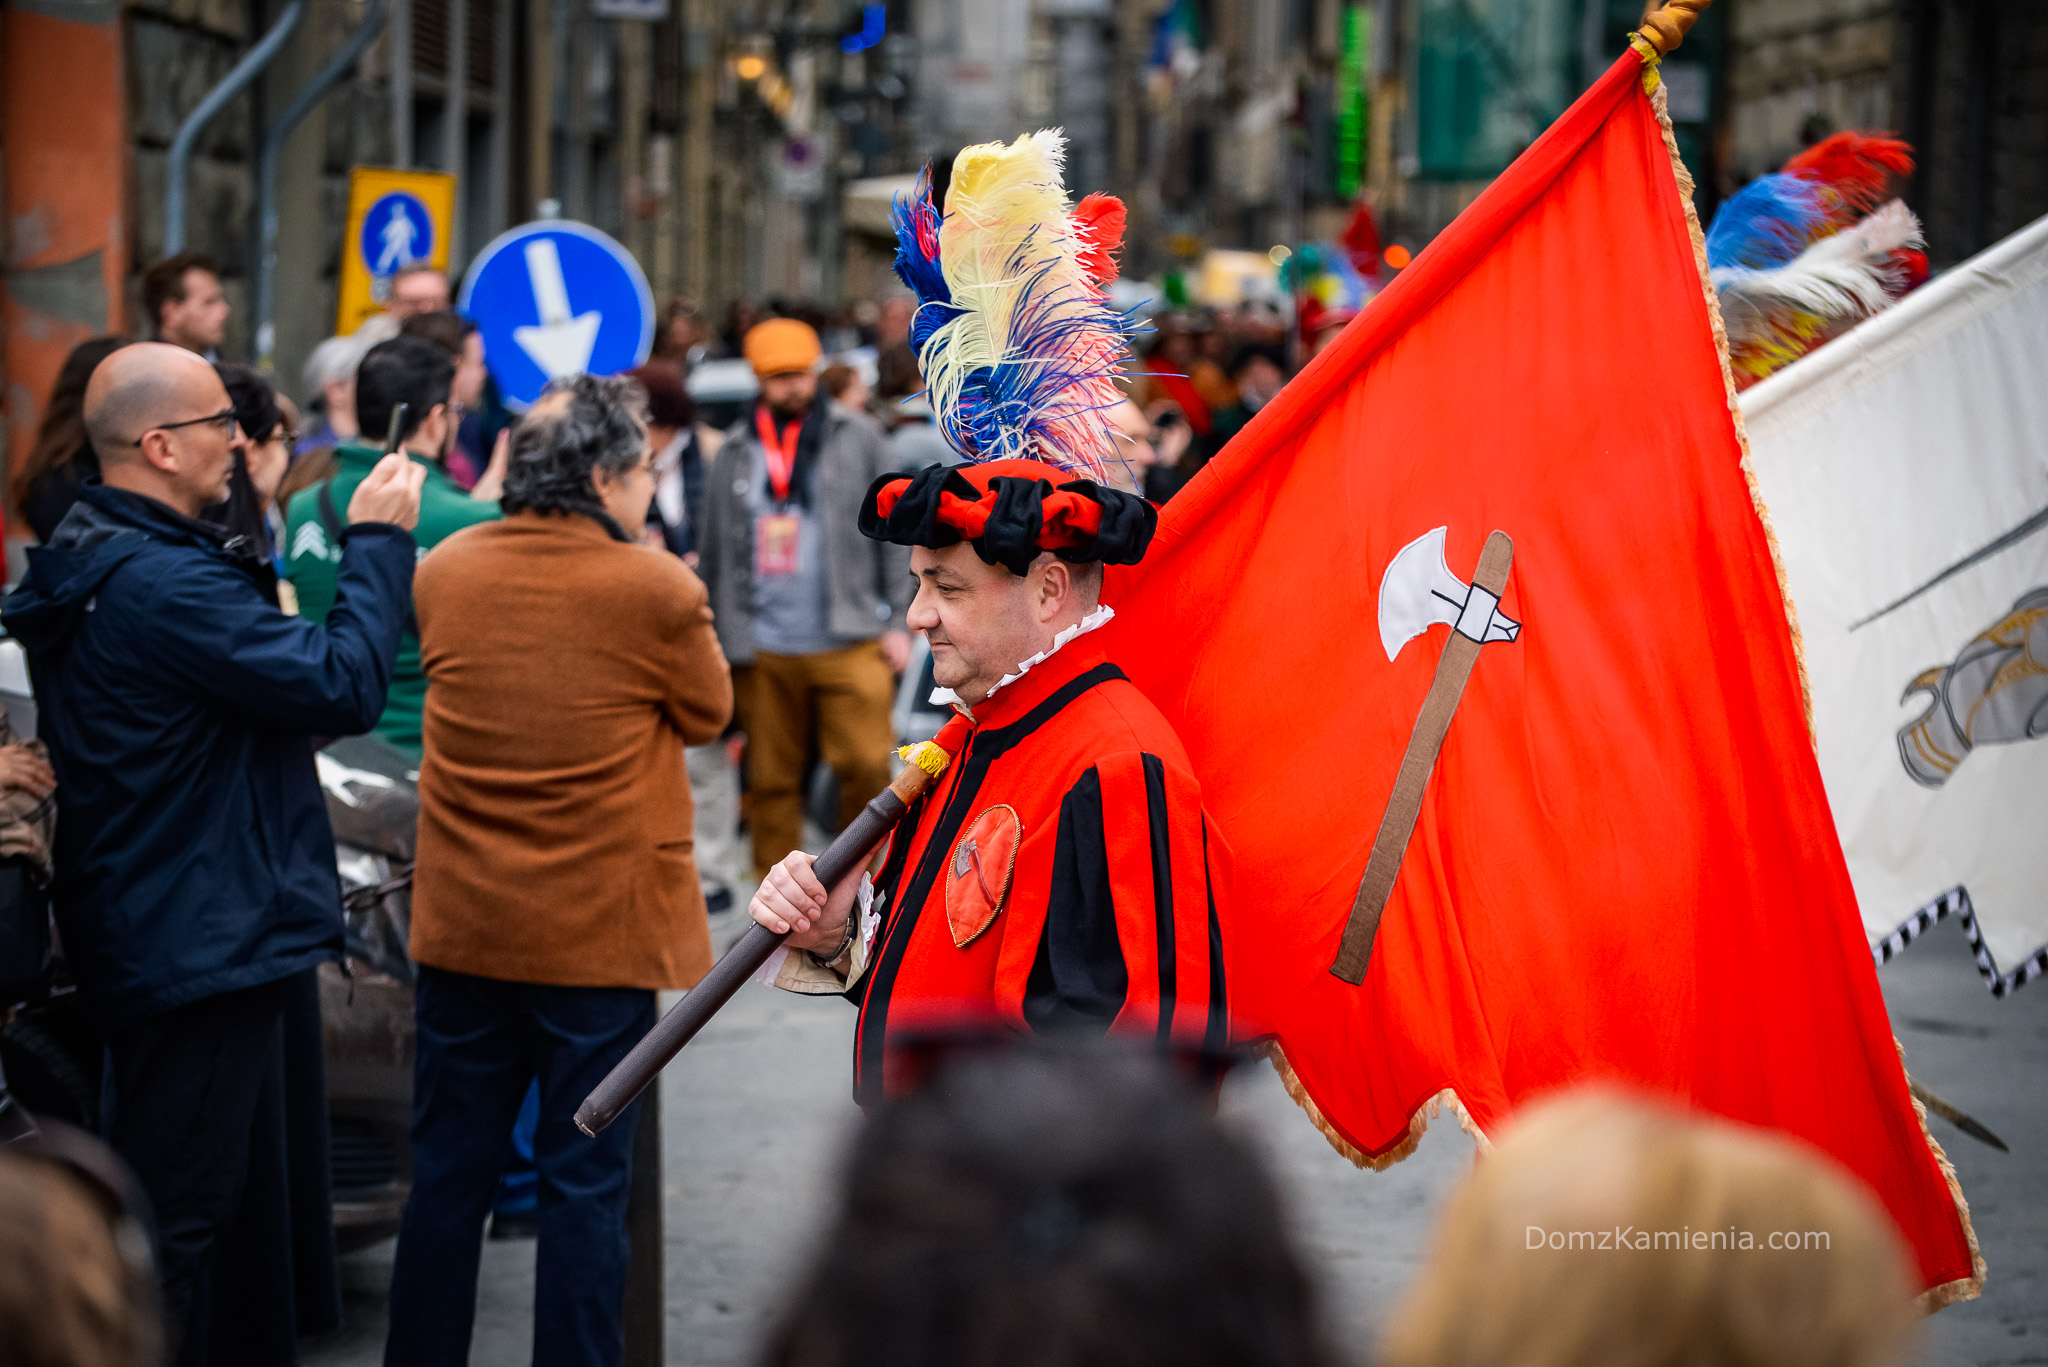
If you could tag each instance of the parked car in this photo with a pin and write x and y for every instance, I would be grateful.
(366, 1015)
(913, 716)
(722, 390)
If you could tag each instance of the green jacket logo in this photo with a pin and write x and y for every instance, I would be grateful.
(311, 540)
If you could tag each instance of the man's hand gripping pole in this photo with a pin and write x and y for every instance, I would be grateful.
(924, 762)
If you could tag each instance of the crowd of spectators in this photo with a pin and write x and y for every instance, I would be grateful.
(574, 624)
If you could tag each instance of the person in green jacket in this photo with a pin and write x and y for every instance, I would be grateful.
(404, 370)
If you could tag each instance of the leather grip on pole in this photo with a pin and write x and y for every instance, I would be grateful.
(739, 963)
(1664, 28)
(1404, 804)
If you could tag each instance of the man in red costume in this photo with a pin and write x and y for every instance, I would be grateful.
(1057, 876)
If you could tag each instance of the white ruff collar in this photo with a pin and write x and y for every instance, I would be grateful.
(946, 697)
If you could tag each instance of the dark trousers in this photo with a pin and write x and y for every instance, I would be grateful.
(202, 1113)
(481, 1042)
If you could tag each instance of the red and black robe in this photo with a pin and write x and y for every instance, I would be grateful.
(1056, 877)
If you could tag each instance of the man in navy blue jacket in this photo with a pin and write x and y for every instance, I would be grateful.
(195, 872)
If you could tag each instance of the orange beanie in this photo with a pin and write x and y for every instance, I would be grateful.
(780, 345)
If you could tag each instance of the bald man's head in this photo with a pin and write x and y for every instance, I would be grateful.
(141, 386)
(163, 426)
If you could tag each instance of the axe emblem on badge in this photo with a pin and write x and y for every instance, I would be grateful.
(968, 856)
(1417, 592)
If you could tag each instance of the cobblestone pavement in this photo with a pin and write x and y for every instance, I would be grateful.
(755, 1110)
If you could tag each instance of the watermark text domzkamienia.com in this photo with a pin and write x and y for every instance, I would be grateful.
(1629, 1239)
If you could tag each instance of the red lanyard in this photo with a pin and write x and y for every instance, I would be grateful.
(780, 451)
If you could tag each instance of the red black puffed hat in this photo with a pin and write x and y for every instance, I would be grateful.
(1011, 511)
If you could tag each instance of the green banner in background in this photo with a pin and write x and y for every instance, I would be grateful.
(1491, 75)
(1354, 100)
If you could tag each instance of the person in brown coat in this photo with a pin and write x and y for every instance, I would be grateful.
(567, 666)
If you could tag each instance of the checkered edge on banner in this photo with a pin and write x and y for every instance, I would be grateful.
(1956, 902)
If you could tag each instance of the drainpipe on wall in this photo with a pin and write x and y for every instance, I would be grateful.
(266, 183)
(231, 85)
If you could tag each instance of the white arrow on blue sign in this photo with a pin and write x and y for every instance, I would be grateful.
(557, 298)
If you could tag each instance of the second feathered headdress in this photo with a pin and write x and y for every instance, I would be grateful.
(1804, 253)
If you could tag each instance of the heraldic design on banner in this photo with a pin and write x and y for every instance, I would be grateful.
(1902, 467)
(1995, 693)
(1619, 862)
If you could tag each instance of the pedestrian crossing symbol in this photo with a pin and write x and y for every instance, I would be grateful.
(395, 219)
(397, 231)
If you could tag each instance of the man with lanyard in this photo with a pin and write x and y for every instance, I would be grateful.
(808, 611)
(1058, 875)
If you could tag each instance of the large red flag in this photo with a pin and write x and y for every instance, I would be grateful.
(1624, 865)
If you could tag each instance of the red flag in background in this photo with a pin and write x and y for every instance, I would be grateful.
(1624, 865)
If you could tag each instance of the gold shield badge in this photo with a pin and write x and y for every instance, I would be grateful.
(978, 875)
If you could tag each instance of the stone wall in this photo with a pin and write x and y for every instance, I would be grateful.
(1798, 68)
(1972, 86)
(177, 51)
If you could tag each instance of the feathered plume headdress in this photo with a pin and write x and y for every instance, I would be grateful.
(1802, 254)
(1017, 342)
(1020, 348)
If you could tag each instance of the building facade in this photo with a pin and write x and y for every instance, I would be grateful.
(746, 149)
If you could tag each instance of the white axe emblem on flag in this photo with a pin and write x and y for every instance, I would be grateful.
(1420, 591)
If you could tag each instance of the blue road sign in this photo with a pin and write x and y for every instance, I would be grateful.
(557, 298)
(397, 231)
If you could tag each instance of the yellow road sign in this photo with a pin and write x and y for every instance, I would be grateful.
(394, 219)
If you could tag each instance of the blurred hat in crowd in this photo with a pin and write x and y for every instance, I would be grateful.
(781, 345)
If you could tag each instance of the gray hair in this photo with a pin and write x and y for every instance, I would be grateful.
(580, 424)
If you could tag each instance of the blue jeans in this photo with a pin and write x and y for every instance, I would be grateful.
(481, 1042)
(519, 1184)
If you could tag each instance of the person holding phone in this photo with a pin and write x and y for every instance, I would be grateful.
(415, 376)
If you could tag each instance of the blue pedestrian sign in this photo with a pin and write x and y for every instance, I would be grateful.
(397, 231)
(557, 298)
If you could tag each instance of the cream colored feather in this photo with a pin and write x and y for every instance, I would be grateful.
(1012, 261)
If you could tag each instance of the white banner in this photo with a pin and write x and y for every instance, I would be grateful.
(1905, 466)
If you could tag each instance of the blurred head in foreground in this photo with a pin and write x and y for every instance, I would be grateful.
(1608, 1229)
(1052, 1203)
(76, 1286)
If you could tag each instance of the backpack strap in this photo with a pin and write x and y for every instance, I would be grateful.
(330, 518)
